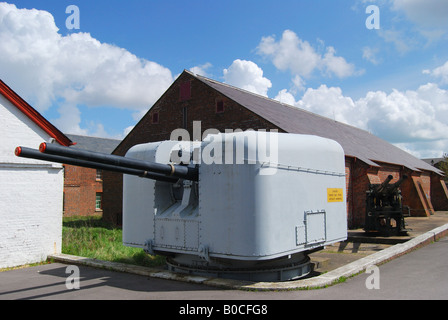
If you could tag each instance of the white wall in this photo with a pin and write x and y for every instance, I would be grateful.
(31, 193)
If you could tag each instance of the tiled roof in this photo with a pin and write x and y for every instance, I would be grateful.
(95, 144)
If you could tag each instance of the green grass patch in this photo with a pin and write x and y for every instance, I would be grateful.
(91, 237)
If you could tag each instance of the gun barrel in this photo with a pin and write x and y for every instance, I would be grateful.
(35, 154)
(169, 170)
(399, 182)
(383, 185)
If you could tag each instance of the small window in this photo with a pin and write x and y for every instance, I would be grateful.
(155, 118)
(99, 174)
(185, 91)
(219, 106)
(98, 202)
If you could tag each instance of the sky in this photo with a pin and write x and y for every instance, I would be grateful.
(96, 67)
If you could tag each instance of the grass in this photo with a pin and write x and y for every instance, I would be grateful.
(91, 237)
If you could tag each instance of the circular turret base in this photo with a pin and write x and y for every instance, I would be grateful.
(287, 268)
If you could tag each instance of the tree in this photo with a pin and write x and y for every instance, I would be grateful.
(443, 165)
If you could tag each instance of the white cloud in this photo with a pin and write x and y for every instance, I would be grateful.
(69, 120)
(301, 58)
(248, 76)
(285, 97)
(430, 17)
(370, 54)
(404, 117)
(46, 67)
(415, 120)
(202, 69)
(331, 103)
(428, 13)
(439, 72)
(290, 53)
(299, 84)
(337, 65)
(399, 39)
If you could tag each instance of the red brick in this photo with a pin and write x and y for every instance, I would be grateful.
(80, 188)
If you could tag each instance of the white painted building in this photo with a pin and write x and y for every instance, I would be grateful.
(31, 191)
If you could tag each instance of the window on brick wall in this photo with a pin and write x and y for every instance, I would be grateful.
(185, 91)
(99, 174)
(219, 106)
(99, 201)
(155, 118)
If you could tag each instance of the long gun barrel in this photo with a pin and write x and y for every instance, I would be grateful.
(168, 170)
(35, 154)
(382, 187)
(398, 183)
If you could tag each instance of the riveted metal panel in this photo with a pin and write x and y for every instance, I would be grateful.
(176, 233)
(300, 235)
(315, 227)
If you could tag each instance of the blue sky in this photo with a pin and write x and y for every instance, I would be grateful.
(317, 55)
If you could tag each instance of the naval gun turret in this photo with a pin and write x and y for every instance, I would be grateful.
(244, 205)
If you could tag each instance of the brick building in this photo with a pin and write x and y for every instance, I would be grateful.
(221, 106)
(83, 187)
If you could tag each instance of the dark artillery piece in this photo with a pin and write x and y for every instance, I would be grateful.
(384, 208)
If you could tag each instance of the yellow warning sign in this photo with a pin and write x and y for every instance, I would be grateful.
(335, 195)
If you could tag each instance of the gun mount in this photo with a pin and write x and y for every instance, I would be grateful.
(222, 207)
(384, 208)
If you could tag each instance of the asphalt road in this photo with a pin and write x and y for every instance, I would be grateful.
(421, 274)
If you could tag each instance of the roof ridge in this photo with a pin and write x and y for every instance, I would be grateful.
(87, 136)
(234, 87)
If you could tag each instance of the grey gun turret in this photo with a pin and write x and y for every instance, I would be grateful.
(244, 205)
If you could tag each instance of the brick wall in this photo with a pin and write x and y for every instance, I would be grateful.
(439, 193)
(80, 189)
(113, 197)
(359, 180)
